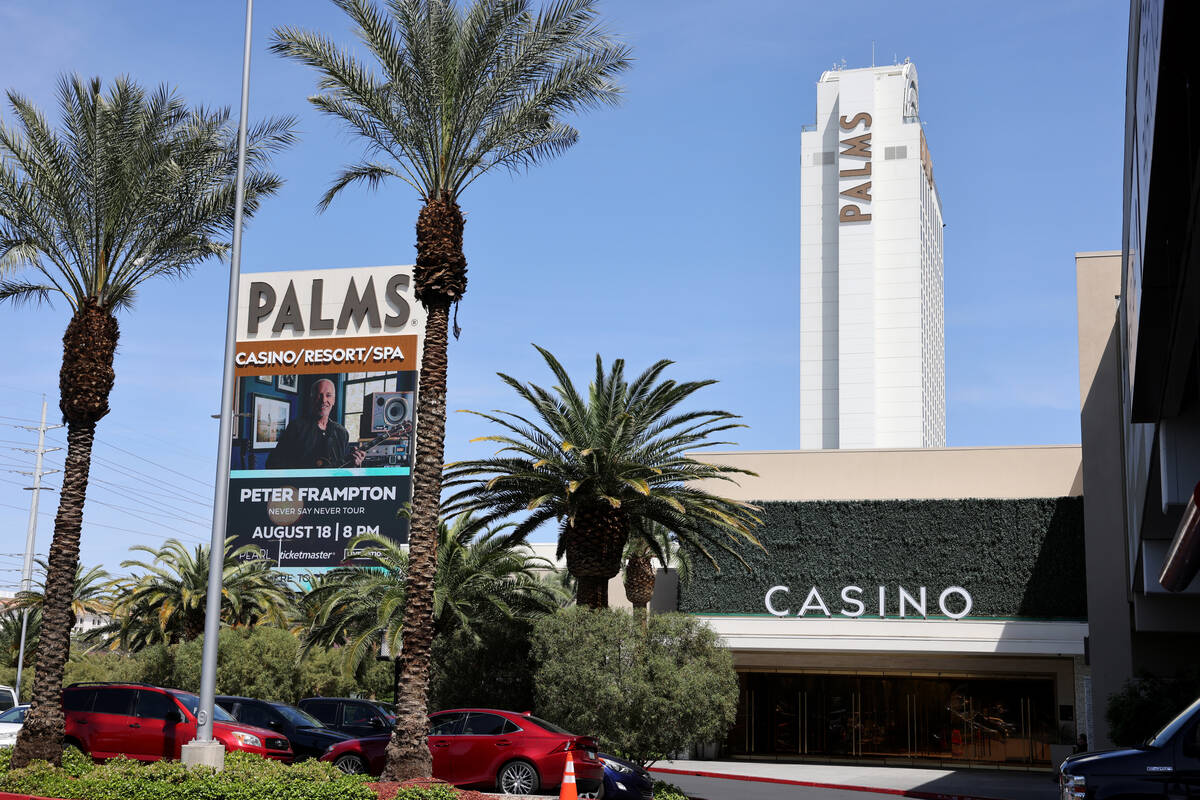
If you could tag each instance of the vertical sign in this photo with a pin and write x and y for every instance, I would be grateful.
(325, 408)
(857, 171)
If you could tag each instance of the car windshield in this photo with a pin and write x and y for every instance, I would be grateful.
(191, 702)
(547, 726)
(387, 708)
(1163, 737)
(297, 717)
(15, 714)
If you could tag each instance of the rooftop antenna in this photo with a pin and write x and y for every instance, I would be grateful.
(872, 52)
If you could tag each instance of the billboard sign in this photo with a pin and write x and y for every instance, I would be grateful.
(325, 411)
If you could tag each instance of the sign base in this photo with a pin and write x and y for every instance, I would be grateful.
(203, 754)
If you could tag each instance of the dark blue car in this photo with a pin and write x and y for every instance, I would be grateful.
(624, 780)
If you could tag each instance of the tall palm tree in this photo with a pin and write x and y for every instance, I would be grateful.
(134, 186)
(481, 577)
(165, 602)
(596, 466)
(449, 94)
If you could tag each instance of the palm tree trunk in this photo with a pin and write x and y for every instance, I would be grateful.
(41, 736)
(407, 753)
(594, 545)
(85, 382)
(639, 584)
(440, 279)
(591, 591)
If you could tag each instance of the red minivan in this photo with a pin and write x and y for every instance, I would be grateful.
(150, 723)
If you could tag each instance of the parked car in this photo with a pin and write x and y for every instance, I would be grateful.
(10, 724)
(150, 723)
(309, 737)
(1167, 765)
(8, 697)
(514, 752)
(356, 716)
(624, 780)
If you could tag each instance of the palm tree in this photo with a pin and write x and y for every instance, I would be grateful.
(601, 465)
(647, 540)
(458, 93)
(90, 596)
(481, 577)
(165, 602)
(134, 186)
(10, 635)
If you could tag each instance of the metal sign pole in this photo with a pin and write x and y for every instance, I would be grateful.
(203, 749)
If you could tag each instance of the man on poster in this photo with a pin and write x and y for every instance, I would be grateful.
(314, 441)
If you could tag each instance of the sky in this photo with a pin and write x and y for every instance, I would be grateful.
(671, 230)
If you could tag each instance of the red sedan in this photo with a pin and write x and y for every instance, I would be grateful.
(516, 753)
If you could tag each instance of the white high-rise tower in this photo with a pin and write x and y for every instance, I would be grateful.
(872, 338)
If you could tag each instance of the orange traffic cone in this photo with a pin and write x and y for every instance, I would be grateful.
(567, 790)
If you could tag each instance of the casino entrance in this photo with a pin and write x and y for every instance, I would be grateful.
(977, 720)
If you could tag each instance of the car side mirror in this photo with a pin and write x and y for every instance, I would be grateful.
(378, 723)
(173, 716)
(275, 724)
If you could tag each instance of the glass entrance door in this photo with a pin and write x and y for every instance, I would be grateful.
(973, 720)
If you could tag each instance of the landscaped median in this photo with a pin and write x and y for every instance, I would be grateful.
(245, 777)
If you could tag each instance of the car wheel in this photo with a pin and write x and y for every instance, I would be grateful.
(351, 764)
(517, 777)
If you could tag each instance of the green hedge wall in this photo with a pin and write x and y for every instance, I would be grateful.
(1017, 558)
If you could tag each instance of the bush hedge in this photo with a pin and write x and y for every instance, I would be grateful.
(245, 777)
(643, 692)
(1017, 558)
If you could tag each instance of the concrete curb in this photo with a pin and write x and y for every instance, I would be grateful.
(916, 793)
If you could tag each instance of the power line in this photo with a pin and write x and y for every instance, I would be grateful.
(100, 484)
(140, 457)
(127, 510)
(130, 472)
(88, 524)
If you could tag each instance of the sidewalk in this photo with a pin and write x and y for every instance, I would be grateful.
(931, 784)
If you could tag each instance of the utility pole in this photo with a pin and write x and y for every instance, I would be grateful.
(31, 531)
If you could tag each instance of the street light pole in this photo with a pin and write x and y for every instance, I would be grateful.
(204, 749)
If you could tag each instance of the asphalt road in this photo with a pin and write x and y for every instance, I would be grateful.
(727, 789)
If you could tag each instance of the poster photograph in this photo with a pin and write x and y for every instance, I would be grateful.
(326, 365)
(271, 418)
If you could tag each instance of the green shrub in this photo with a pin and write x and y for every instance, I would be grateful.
(668, 791)
(643, 693)
(1148, 702)
(245, 777)
(495, 671)
(257, 662)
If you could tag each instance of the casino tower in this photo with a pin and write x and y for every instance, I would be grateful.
(872, 335)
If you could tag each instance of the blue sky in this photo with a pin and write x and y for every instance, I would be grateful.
(671, 229)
